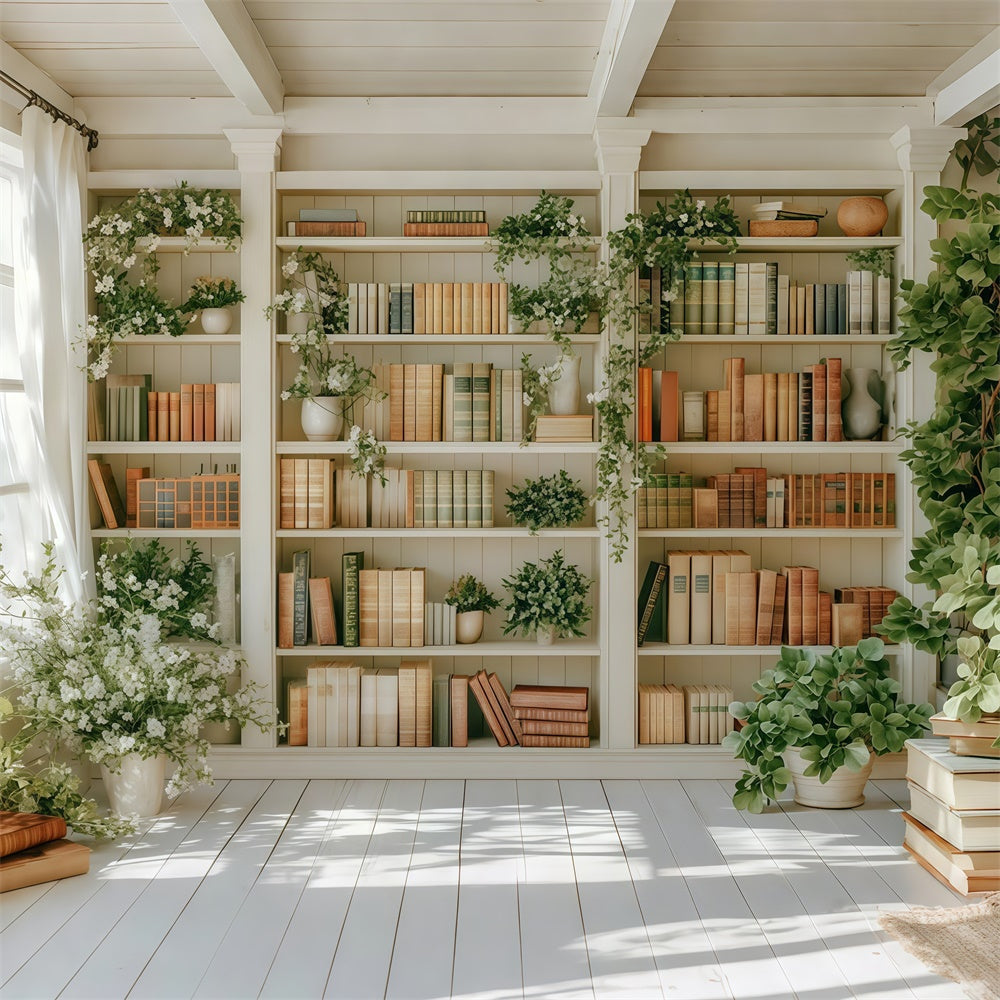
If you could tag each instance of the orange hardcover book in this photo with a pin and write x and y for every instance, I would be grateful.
(286, 610)
(549, 697)
(834, 422)
(645, 409)
(505, 707)
(43, 863)
(711, 415)
(781, 406)
(793, 604)
(747, 608)
(152, 409)
(484, 681)
(767, 583)
(818, 402)
(132, 477)
(535, 727)
(174, 415)
(705, 504)
(209, 411)
(824, 618)
(187, 411)
(19, 831)
(324, 623)
(550, 714)
(669, 406)
(410, 402)
(309, 228)
(753, 407)
(810, 606)
(419, 307)
(479, 693)
(778, 618)
(725, 415)
(423, 403)
(536, 740)
(198, 412)
(106, 490)
(770, 406)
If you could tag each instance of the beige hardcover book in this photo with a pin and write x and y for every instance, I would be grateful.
(448, 308)
(767, 586)
(720, 567)
(967, 829)
(692, 703)
(747, 608)
(419, 310)
(644, 699)
(973, 746)
(424, 403)
(770, 406)
(456, 307)
(424, 680)
(384, 607)
(757, 308)
(286, 602)
(387, 708)
(407, 704)
(959, 782)
(401, 607)
(477, 307)
(334, 677)
(369, 710)
(301, 468)
(316, 704)
(437, 387)
(458, 687)
(286, 493)
(675, 710)
(713, 699)
(679, 598)
(352, 704)
(753, 407)
(297, 712)
(985, 728)
(468, 307)
(701, 598)
(324, 624)
(494, 290)
(502, 324)
(436, 324)
(704, 712)
(368, 607)
(781, 405)
(410, 402)
(732, 614)
(418, 589)
(657, 722)
(373, 308)
(975, 871)
(396, 402)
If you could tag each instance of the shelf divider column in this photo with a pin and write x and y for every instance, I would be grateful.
(257, 152)
(618, 153)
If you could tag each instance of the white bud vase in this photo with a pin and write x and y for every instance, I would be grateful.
(545, 635)
(137, 787)
(216, 320)
(296, 323)
(322, 418)
(861, 409)
(564, 392)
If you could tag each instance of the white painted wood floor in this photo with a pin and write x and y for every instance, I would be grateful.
(480, 890)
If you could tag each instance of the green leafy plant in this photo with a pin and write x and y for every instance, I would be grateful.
(207, 292)
(312, 287)
(555, 501)
(469, 594)
(550, 593)
(878, 261)
(980, 150)
(836, 708)
(954, 455)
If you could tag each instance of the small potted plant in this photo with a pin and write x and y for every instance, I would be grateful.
(555, 501)
(548, 598)
(819, 724)
(213, 297)
(472, 601)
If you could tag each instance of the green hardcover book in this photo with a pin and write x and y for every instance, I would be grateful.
(441, 711)
(497, 385)
(111, 409)
(771, 315)
(676, 311)
(444, 498)
(418, 498)
(430, 499)
(395, 307)
(481, 401)
(830, 295)
(710, 297)
(352, 563)
(819, 314)
(459, 499)
(487, 498)
(474, 498)
(657, 630)
(463, 401)
(125, 412)
(727, 298)
(692, 297)
(300, 597)
(648, 593)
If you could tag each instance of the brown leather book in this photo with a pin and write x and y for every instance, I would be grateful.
(793, 605)
(810, 606)
(819, 381)
(19, 830)
(485, 705)
(505, 707)
(753, 407)
(767, 587)
(550, 714)
(187, 411)
(152, 409)
(410, 402)
(778, 620)
(446, 229)
(286, 605)
(106, 490)
(163, 416)
(324, 624)
(308, 228)
(43, 863)
(549, 697)
(498, 712)
(834, 422)
(555, 741)
(458, 689)
(541, 728)
(669, 405)
(198, 412)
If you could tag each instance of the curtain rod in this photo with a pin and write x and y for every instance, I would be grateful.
(35, 99)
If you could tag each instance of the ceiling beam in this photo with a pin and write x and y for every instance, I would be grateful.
(230, 41)
(631, 34)
(970, 86)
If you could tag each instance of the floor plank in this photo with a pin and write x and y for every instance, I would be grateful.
(424, 948)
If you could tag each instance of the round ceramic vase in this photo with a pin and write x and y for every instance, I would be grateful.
(322, 418)
(844, 790)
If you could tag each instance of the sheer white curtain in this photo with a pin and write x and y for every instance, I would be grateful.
(50, 314)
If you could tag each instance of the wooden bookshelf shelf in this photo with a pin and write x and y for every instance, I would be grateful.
(810, 244)
(474, 650)
(819, 448)
(163, 448)
(785, 340)
(165, 533)
(444, 447)
(396, 244)
(184, 340)
(770, 533)
(665, 649)
(452, 338)
(482, 533)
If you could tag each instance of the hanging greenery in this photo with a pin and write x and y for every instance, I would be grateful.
(130, 231)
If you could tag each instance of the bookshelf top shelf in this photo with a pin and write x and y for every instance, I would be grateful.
(396, 244)
(784, 447)
(503, 647)
(783, 340)
(184, 340)
(163, 447)
(665, 649)
(480, 533)
(813, 244)
(166, 533)
(451, 447)
(770, 532)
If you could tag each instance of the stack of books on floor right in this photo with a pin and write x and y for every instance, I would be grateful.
(33, 850)
(552, 716)
(953, 825)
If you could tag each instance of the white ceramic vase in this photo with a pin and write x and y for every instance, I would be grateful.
(564, 392)
(322, 418)
(216, 320)
(296, 322)
(545, 635)
(861, 410)
(469, 626)
(137, 788)
(844, 790)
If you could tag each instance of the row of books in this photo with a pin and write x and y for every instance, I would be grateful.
(433, 498)
(34, 850)
(305, 606)
(427, 307)
(446, 222)
(749, 498)
(717, 598)
(953, 821)
(694, 713)
(440, 623)
(729, 298)
(314, 494)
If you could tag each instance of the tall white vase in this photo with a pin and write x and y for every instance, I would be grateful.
(861, 409)
(322, 418)
(564, 392)
(137, 788)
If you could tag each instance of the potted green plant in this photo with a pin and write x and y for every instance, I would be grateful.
(953, 455)
(819, 722)
(212, 298)
(472, 602)
(555, 501)
(548, 598)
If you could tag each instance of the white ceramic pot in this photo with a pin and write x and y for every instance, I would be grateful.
(322, 418)
(861, 409)
(216, 320)
(564, 392)
(137, 788)
(297, 322)
(545, 635)
(844, 790)
(469, 626)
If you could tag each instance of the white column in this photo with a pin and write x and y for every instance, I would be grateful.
(618, 153)
(922, 155)
(257, 152)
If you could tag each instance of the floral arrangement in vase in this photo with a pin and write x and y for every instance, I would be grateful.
(313, 299)
(212, 297)
(555, 501)
(472, 601)
(548, 598)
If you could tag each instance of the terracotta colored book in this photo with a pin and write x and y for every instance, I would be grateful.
(505, 707)
(778, 619)
(132, 477)
(324, 624)
(555, 741)
(498, 712)
(767, 587)
(819, 381)
(152, 409)
(445, 229)
(753, 407)
(43, 863)
(301, 228)
(645, 407)
(770, 406)
(286, 603)
(19, 831)
(793, 605)
(550, 714)
(834, 422)
(485, 705)
(198, 412)
(541, 728)
(546, 696)
(106, 490)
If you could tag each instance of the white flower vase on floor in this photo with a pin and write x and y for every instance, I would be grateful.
(564, 392)
(844, 790)
(322, 418)
(861, 410)
(469, 626)
(545, 635)
(137, 788)
(216, 320)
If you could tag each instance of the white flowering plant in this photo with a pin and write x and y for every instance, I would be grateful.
(550, 593)
(312, 287)
(105, 688)
(322, 372)
(367, 454)
(535, 383)
(207, 292)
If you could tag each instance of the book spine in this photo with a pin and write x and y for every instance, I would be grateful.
(710, 297)
(727, 298)
(692, 297)
(352, 563)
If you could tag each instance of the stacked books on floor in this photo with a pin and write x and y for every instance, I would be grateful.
(694, 713)
(446, 222)
(33, 850)
(716, 598)
(426, 308)
(727, 298)
(953, 823)
(552, 716)
(326, 222)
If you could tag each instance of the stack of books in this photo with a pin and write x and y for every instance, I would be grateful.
(552, 716)
(786, 210)
(305, 606)
(969, 739)
(577, 427)
(953, 824)
(391, 607)
(326, 222)
(707, 713)
(784, 218)
(33, 850)
(446, 222)
(667, 501)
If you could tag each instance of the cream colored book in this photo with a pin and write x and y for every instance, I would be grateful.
(369, 699)
(959, 782)
(386, 708)
(967, 829)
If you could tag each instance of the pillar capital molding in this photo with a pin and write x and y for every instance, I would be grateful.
(922, 149)
(619, 149)
(257, 150)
